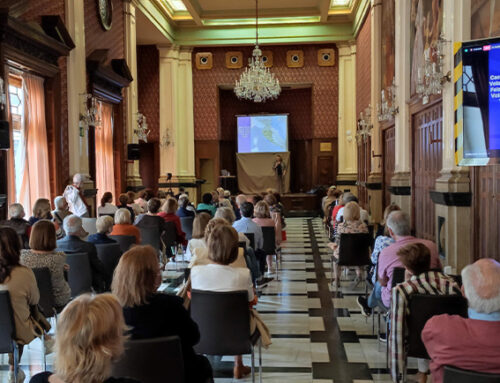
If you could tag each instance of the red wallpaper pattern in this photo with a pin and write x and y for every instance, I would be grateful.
(324, 81)
(363, 67)
(149, 87)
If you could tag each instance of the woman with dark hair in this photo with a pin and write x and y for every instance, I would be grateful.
(151, 218)
(207, 204)
(106, 208)
(168, 214)
(20, 282)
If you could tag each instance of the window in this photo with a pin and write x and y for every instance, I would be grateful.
(16, 98)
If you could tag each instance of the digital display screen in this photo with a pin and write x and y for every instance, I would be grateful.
(262, 133)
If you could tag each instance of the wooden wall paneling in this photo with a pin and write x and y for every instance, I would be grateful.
(228, 151)
(388, 162)
(149, 164)
(324, 169)
(427, 163)
(300, 172)
(207, 152)
(364, 168)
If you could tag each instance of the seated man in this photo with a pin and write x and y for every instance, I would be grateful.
(398, 223)
(469, 343)
(185, 209)
(416, 258)
(62, 210)
(18, 223)
(73, 243)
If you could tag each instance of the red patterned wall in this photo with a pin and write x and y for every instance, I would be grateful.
(324, 81)
(149, 87)
(363, 67)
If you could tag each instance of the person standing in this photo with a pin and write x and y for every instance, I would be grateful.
(74, 196)
(279, 168)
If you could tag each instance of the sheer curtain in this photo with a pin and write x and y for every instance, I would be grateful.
(104, 172)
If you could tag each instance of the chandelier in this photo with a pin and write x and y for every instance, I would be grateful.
(92, 114)
(257, 83)
(388, 108)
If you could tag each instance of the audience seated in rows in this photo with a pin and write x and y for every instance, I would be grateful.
(143, 197)
(276, 208)
(123, 225)
(73, 243)
(416, 258)
(42, 253)
(198, 237)
(349, 197)
(151, 219)
(227, 213)
(123, 199)
(106, 207)
(61, 210)
(331, 199)
(185, 209)
(104, 226)
(169, 209)
(247, 225)
(207, 204)
(90, 336)
(138, 209)
(332, 220)
(41, 210)
(219, 276)
(18, 223)
(469, 343)
(263, 219)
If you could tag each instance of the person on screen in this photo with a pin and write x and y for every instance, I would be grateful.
(280, 171)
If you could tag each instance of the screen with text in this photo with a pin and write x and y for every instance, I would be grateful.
(262, 134)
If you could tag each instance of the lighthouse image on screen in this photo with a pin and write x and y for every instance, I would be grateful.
(262, 134)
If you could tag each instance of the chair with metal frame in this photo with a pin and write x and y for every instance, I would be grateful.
(269, 247)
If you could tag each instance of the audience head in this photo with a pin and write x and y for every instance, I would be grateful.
(330, 193)
(256, 198)
(43, 236)
(220, 190)
(223, 244)
(137, 276)
(199, 224)
(270, 199)
(154, 205)
(162, 194)
(149, 194)
(212, 224)
(10, 248)
(262, 210)
(225, 203)
(278, 197)
(481, 283)
(183, 200)
(73, 226)
(215, 196)
(106, 198)
(399, 224)
(349, 197)
(352, 212)
(16, 210)
(123, 217)
(41, 209)
(130, 197)
(60, 203)
(89, 337)
(104, 224)
(170, 206)
(388, 210)
(227, 194)
(337, 194)
(415, 257)
(226, 213)
(78, 180)
(123, 199)
(207, 198)
(141, 194)
(240, 199)
(246, 209)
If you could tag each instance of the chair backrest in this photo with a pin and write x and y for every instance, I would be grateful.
(125, 241)
(457, 375)
(79, 274)
(251, 238)
(423, 307)
(354, 249)
(7, 325)
(269, 235)
(151, 360)
(224, 322)
(44, 282)
(89, 226)
(151, 236)
(398, 276)
(169, 236)
(187, 226)
(109, 254)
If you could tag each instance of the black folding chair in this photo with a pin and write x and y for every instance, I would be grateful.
(125, 241)
(79, 274)
(224, 322)
(151, 236)
(187, 226)
(457, 375)
(147, 360)
(8, 330)
(269, 247)
(251, 238)
(109, 254)
(354, 251)
(169, 238)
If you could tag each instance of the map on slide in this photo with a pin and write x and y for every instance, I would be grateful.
(262, 134)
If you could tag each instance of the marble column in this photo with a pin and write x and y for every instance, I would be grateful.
(134, 180)
(347, 148)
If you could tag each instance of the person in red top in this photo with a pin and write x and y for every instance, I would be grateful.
(471, 343)
(169, 209)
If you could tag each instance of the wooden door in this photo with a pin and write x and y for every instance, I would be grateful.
(427, 126)
(325, 170)
(389, 160)
(364, 168)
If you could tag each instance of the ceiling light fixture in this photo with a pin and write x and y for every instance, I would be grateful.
(257, 83)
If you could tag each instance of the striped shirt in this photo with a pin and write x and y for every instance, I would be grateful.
(431, 283)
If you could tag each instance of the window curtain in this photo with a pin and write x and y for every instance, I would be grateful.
(104, 172)
(34, 161)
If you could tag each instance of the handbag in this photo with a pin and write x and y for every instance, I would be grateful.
(41, 323)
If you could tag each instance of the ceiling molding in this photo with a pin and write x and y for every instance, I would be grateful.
(157, 17)
(194, 10)
(364, 7)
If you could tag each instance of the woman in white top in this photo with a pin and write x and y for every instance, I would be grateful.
(106, 208)
(198, 237)
(219, 276)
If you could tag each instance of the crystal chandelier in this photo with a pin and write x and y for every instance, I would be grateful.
(142, 130)
(365, 126)
(388, 108)
(257, 83)
(92, 114)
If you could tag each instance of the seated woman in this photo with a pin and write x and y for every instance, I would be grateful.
(169, 209)
(41, 210)
(276, 208)
(151, 218)
(263, 219)
(21, 284)
(227, 213)
(219, 276)
(106, 208)
(150, 314)
(104, 226)
(138, 209)
(43, 254)
(207, 204)
(90, 336)
(352, 224)
(123, 225)
(198, 237)
(123, 204)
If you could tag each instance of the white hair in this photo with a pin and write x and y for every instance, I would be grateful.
(72, 224)
(59, 202)
(227, 193)
(123, 217)
(225, 203)
(240, 199)
(16, 210)
(104, 224)
(78, 178)
(472, 277)
(399, 222)
(226, 213)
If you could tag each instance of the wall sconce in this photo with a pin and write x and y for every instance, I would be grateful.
(364, 130)
(388, 108)
(142, 130)
(3, 96)
(92, 114)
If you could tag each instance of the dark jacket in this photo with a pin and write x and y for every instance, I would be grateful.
(22, 228)
(73, 244)
(145, 221)
(183, 212)
(99, 239)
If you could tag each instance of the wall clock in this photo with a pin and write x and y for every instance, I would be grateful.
(105, 13)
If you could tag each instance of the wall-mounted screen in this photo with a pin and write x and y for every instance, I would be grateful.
(262, 133)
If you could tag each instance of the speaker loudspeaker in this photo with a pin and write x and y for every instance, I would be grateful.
(204, 60)
(4, 135)
(295, 59)
(326, 57)
(234, 60)
(133, 152)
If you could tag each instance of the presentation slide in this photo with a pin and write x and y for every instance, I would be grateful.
(262, 134)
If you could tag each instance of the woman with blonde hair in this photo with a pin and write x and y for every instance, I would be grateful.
(41, 210)
(89, 338)
(169, 209)
(198, 237)
(150, 314)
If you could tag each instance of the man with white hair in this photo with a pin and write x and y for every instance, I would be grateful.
(73, 243)
(18, 223)
(61, 211)
(185, 209)
(471, 343)
(74, 196)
